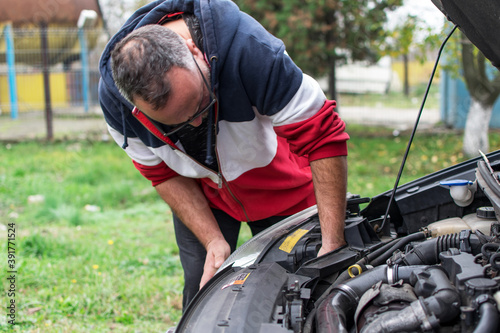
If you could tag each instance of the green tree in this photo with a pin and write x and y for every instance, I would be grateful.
(403, 40)
(116, 12)
(320, 33)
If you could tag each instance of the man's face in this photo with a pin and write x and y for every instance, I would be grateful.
(188, 95)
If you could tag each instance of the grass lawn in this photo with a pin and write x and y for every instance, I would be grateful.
(94, 247)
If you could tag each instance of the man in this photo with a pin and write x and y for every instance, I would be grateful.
(213, 111)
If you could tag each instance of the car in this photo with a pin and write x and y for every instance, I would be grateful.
(424, 257)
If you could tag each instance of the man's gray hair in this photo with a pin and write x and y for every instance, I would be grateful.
(140, 61)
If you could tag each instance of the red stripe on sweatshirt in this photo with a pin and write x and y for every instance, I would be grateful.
(157, 174)
(320, 136)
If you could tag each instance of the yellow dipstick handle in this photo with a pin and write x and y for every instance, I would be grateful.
(351, 273)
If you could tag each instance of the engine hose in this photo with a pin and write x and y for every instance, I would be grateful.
(376, 258)
(332, 313)
(308, 324)
(439, 302)
(378, 251)
(427, 252)
(383, 253)
(344, 276)
(441, 298)
(495, 261)
(489, 248)
(488, 321)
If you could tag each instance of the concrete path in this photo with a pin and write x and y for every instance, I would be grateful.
(390, 117)
(32, 126)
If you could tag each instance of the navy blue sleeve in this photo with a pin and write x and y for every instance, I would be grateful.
(267, 77)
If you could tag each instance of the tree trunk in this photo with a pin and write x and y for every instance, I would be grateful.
(332, 80)
(406, 76)
(476, 128)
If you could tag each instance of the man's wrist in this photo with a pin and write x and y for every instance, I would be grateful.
(333, 244)
(214, 240)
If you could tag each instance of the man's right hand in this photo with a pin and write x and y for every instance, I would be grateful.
(217, 252)
(187, 200)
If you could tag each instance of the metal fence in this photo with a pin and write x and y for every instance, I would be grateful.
(49, 79)
(49, 69)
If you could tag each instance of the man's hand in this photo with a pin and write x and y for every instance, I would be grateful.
(328, 248)
(330, 186)
(187, 200)
(217, 252)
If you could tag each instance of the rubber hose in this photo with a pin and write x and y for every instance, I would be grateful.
(427, 253)
(495, 261)
(488, 321)
(382, 258)
(332, 313)
(489, 248)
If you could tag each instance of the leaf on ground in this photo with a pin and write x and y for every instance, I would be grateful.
(31, 311)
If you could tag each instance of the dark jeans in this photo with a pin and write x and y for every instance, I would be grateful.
(192, 253)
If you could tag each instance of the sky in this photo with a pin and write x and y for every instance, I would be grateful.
(424, 9)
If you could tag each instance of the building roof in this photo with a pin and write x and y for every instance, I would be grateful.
(49, 11)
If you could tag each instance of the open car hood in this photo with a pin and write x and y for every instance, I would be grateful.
(478, 20)
(422, 258)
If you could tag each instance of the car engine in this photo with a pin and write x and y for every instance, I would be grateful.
(431, 265)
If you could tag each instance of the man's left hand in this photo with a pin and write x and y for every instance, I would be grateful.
(330, 186)
(325, 249)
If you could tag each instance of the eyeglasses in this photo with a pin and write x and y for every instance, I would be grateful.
(174, 129)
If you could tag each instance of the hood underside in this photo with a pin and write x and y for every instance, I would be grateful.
(478, 20)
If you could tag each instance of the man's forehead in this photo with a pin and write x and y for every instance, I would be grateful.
(184, 90)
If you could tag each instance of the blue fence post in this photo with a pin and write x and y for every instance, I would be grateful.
(11, 63)
(85, 67)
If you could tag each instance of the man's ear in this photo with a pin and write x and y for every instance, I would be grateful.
(194, 49)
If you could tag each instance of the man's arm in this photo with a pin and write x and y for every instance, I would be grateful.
(186, 199)
(330, 186)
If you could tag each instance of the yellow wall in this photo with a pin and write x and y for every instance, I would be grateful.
(30, 91)
(417, 72)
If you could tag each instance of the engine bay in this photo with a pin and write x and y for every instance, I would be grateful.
(433, 264)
